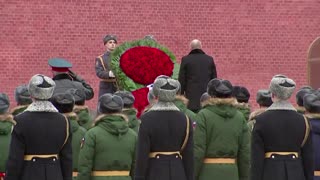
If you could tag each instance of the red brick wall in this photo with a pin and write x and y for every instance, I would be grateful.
(250, 40)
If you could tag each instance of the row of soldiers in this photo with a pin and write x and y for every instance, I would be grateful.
(221, 148)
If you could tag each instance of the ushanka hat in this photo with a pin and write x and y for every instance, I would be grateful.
(109, 103)
(220, 88)
(282, 87)
(165, 88)
(109, 37)
(64, 102)
(264, 98)
(4, 103)
(205, 96)
(127, 98)
(312, 103)
(241, 94)
(301, 93)
(41, 87)
(79, 96)
(22, 95)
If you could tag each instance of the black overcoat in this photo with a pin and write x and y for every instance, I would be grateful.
(164, 131)
(281, 131)
(196, 70)
(40, 133)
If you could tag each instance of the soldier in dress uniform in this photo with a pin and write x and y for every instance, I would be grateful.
(82, 111)
(66, 79)
(281, 140)
(165, 140)
(64, 102)
(264, 100)
(311, 103)
(6, 126)
(129, 110)
(108, 83)
(40, 145)
(221, 138)
(242, 95)
(108, 149)
(299, 98)
(23, 99)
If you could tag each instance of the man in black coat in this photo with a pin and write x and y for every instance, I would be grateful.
(281, 139)
(108, 82)
(41, 140)
(196, 70)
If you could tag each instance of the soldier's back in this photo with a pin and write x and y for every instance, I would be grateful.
(43, 132)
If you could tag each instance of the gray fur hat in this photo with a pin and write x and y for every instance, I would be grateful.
(149, 37)
(241, 93)
(41, 87)
(264, 98)
(220, 88)
(282, 86)
(127, 98)
(165, 88)
(22, 95)
(109, 103)
(312, 103)
(78, 94)
(205, 96)
(4, 103)
(64, 102)
(109, 37)
(301, 93)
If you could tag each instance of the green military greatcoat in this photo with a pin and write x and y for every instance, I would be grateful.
(6, 126)
(182, 102)
(78, 133)
(221, 132)
(134, 122)
(108, 146)
(245, 109)
(84, 118)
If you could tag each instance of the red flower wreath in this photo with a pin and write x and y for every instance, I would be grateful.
(144, 64)
(136, 64)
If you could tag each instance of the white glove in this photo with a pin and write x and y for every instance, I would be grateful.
(111, 74)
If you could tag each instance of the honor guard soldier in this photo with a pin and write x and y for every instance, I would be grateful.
(129, 110)
(108, 149)
(108, 83)
(242, 95)
(165, 140)
(66, 79)
(64, 102)
(82, 111)
(264, 100)
(221, 138)
(6, 126)
(23, 99)
(41, 140)
(281, 141)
